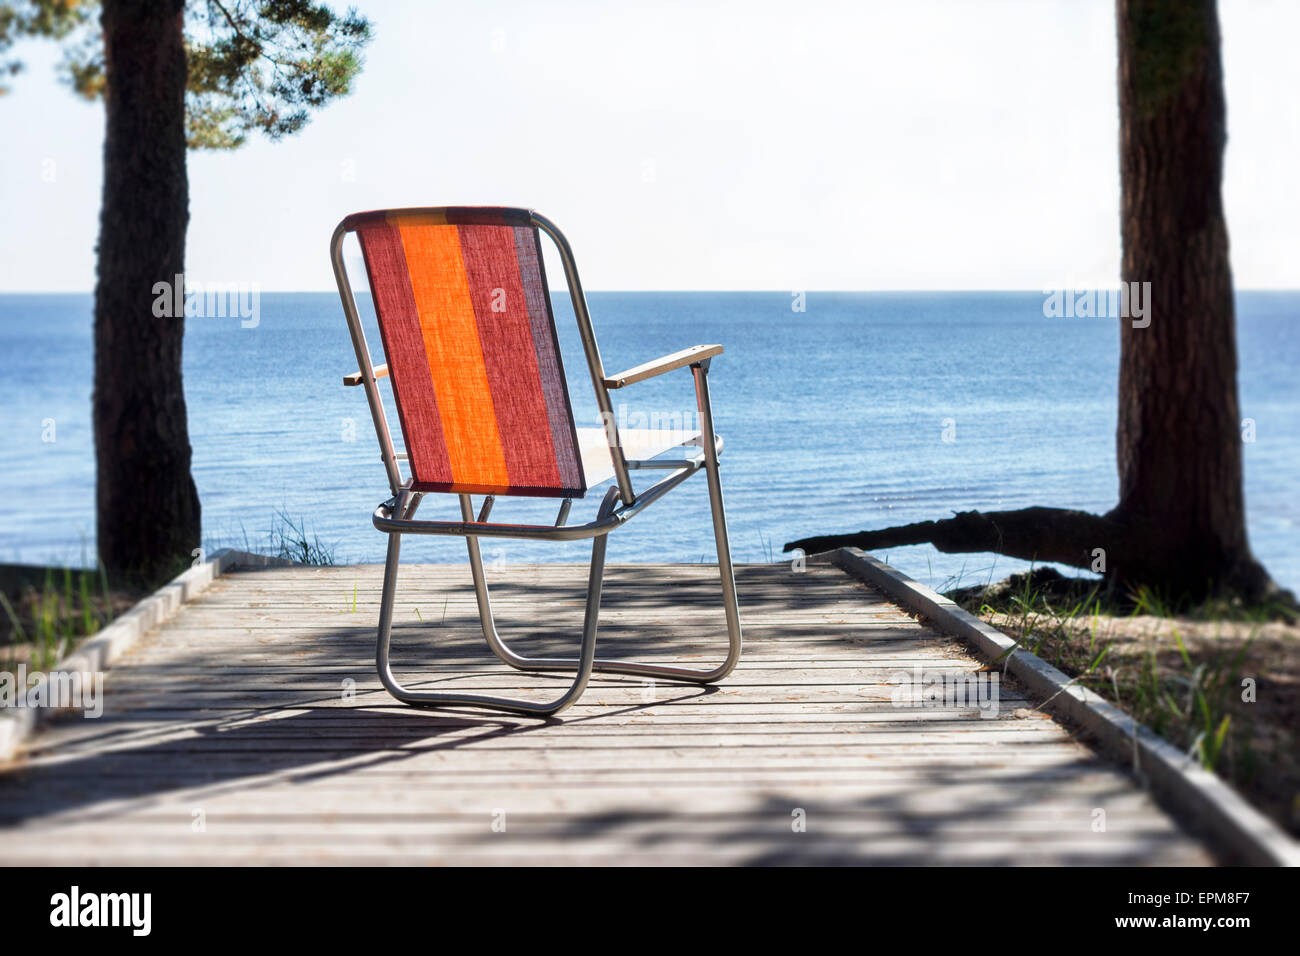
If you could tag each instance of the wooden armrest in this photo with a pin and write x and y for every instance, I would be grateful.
(381, 371)
(696, 353)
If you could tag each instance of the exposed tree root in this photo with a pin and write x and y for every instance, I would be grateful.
(1033, 534)
(1128, 553)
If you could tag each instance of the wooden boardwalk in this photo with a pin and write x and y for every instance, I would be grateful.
(252, 729)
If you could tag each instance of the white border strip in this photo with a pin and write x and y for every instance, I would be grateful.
(1234, 827)
(100, 651)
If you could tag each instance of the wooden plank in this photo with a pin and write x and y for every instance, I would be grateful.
(236, 706)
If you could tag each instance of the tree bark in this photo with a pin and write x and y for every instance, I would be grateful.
(147, 503)
(1178, 437)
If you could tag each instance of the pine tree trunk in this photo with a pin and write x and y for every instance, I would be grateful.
(1179, 444)
(148, 507)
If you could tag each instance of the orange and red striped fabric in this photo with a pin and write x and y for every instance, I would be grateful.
(465, 317)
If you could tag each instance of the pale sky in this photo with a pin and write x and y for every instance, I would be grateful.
(698, 145)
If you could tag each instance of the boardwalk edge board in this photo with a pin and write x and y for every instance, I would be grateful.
(1198, 797)
(97, 653)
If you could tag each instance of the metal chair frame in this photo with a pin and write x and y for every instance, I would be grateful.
(621, 503)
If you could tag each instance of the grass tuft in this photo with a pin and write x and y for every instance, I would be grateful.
(290, 539)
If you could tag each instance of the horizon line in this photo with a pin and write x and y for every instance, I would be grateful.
(783, 290)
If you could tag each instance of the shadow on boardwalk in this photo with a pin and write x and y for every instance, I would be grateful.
(800, 757)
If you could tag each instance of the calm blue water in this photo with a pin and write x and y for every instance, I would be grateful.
(834, 420)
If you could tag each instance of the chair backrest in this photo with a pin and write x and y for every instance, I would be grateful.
(465, 316)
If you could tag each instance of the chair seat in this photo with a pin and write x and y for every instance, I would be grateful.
(638, 444)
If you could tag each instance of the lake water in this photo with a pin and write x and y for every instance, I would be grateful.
(835, 419)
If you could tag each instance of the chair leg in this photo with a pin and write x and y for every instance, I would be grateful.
(721, 541)
(611, 666)
(583, 664)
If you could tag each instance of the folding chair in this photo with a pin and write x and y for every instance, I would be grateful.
(471, 352)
